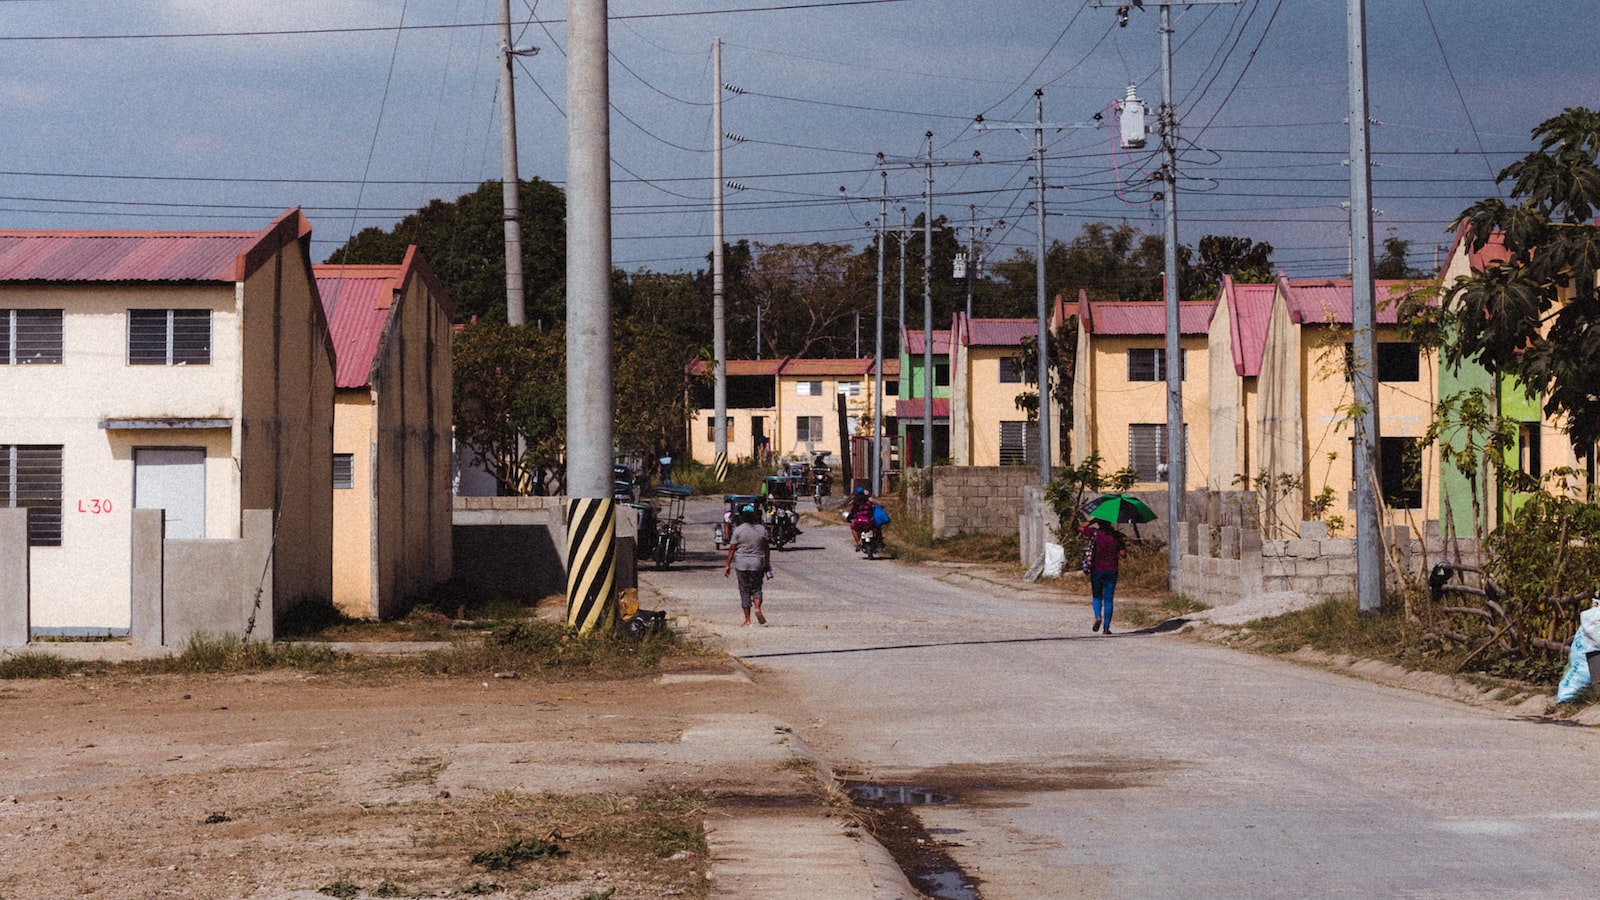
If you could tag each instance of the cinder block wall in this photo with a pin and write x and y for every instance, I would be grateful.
(979, 499)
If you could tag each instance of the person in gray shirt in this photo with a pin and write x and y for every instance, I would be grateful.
(750, 557)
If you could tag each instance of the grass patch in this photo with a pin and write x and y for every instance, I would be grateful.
(909, 537)
(504, 859)
(34, 664)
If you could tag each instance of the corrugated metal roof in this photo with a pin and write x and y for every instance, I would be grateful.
(914, 340)
(1249, 309)
(1132, 318)
(1318, 301)
(847, 366)
(356, 300)
(912, 409)
(1000, 332)
(88, 256)
(740, 366)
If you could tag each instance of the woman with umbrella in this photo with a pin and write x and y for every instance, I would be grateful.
(1106, 547)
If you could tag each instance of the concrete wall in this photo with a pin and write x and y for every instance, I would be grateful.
(182, 589)
(13, 577)
(982, 500)
(517, 546)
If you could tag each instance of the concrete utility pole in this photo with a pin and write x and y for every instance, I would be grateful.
(510, 183)
(877, 356)
(927, 319)
(972, 253)
(1042, 311)
(1176, 445)
(591, 509)
(1363, 376)
(719, 333)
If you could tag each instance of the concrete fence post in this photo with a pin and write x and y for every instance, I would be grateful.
(14, 576)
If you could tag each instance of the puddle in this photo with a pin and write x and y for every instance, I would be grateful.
(917, 849)
(948, 885)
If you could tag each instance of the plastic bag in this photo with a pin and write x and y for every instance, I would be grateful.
(1589, 627)
(1575, 680)
(880, 516)
(1054, 558)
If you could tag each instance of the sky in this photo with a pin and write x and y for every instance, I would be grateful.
(220, 114)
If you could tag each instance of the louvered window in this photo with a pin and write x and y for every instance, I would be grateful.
(30, 337)
(30, 478)
(1147, 450)
(169, 337)
(1019, 443)
(344, 471)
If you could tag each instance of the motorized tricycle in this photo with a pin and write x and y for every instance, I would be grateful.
(666, 531)
(722, 532)
(783, 521)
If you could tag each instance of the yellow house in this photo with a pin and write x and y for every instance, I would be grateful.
(391, 433)
(1305, 404)
(1119, 390)
(988, 429)
(189, 371)
(1235, 343)
(789, 409)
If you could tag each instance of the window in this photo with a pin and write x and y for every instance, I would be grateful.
(1010, 370)
(711, 429)
(1147, 450)
(169, 337)
(30, 337)
(1019, 443)
(808, 389)
(344, 471)
(1400, 459)
(850, 388)
(1398, 361)
(941, 374)
(808, 429)
(1150, 364)
(30, 478)
(1529, 450)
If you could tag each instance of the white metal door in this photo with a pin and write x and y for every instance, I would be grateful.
(173, 479)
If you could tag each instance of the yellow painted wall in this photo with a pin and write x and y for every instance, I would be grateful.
(989, 402)
(1107, 403)
(354, 517)
(780, 419)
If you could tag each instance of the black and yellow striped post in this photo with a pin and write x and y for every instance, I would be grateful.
(721, 467)
(591, 564)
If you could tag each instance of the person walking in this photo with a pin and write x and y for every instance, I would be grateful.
(1107, 546)
(749, 556)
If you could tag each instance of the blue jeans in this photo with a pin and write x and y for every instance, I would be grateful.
(1102, 585)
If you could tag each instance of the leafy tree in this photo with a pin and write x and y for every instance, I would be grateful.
(511, 403)
(1248, 262)
(464, 242)
(1392, 264)
(1535, 315)
(808, 296)
(653, 388)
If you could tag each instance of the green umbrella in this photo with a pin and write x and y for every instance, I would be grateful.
(1121, 508)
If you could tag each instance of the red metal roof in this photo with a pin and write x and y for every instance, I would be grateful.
(912, 409)
(1135, 318)
(914, 339)
(1249, 309)
(800, 367)
(142, 256)
(998, 332)
(357, 300)
(740, 366)
(1327, 301)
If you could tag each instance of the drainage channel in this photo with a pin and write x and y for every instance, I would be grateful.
(919, 851)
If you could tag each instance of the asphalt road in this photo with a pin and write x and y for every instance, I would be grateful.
(1147, 764)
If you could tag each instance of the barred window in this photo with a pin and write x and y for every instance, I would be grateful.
(1147, 450)
(1010, 370)
(1019, 443)
(1150, 364)
(711, 428)
(808, 389)
(30, 478)
(850, 388)
(344, 471)
(30, 337)
(169, 337)
(808, 429)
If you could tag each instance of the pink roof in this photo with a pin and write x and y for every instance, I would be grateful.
(912, 409)
(1249, 308)
(1142, 318)
(914, 340)
(1327, 301)
(357, 300)
(998, 332)
(1494, 251)
(800, 367)
(143, 256)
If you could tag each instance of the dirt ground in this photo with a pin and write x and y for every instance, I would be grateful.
(283, 784)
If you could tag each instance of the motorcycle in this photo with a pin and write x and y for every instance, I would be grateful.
(821, 479)
(783, 522)
(872, 542)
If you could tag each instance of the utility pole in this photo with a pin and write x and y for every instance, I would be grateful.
(719, 334)
(1168, 117)
(1363, 379)
(905, 235)
(591, 508)
(510, 183)
(972, 253)
(877, 355)
(1042, 310)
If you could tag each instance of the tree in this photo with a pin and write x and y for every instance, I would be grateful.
(808, 296)
(1392, 264)
(1062, 347)
(1536, 316)
(464, 243)
(653, 388)
(511, 403)
(1221, 255)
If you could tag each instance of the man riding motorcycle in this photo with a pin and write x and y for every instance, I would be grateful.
(860, 515)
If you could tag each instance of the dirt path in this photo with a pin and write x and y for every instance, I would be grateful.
(284, 785)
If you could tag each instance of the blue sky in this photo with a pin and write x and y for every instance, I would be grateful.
(217, 115)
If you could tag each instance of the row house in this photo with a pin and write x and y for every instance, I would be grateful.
(911, 412)
(790, 408)
(391, 329)
(186, 371)
(986, 381)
